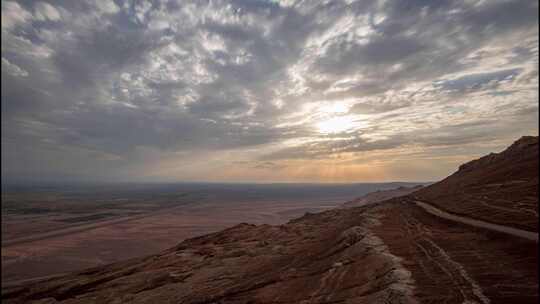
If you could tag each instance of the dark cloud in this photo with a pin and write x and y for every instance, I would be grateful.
(477, 81)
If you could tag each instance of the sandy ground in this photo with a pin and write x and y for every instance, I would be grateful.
(75, 248)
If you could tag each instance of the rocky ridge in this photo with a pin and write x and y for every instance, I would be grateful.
(501, 188)
(381, 195)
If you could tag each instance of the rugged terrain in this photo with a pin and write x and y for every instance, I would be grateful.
(396, 251)
(381, 195)
(53, 229)
(501, 188)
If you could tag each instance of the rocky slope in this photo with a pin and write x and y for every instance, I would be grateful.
(391, 252)
(501, 188)
(381, 195)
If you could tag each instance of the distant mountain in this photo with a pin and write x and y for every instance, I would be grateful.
(381, 195)
(426, 247)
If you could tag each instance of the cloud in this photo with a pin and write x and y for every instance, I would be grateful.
(44, 11)
(379, 106)
(478, 81)
(13, 69)
(106, 6)
(107, 90)
(13, 15)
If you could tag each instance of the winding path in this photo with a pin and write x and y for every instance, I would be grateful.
(533, 236)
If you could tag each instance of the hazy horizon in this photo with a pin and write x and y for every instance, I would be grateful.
(117, 187)
(262, 91)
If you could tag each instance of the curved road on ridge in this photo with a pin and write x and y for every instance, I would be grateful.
(533, 236)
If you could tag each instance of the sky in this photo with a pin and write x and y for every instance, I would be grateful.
(263, 91)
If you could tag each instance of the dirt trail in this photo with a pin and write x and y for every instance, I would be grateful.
(533, 236)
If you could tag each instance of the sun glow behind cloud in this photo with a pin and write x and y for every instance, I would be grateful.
(338, 124)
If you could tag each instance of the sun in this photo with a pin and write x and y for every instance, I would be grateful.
(336, 124)
(334, 108)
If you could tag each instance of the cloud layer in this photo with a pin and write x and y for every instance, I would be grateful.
(263, 90)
